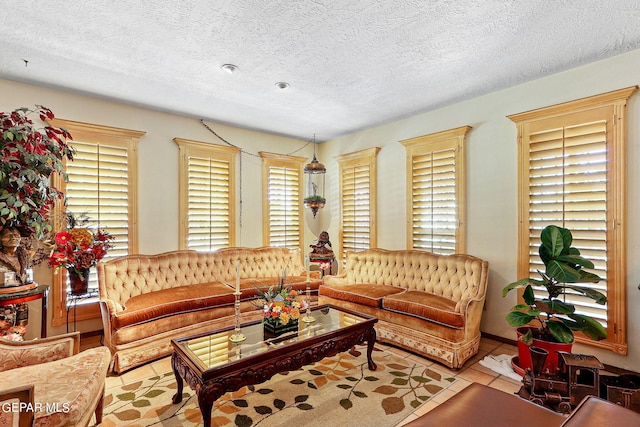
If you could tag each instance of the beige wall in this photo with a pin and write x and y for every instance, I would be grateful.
(491, 187)
(158, 167)
(492, 179)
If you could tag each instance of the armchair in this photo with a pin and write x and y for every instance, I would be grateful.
(49, 382)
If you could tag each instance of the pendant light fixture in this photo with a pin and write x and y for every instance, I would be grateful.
(315, 172)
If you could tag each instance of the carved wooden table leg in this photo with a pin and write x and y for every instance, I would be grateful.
(371, 341)
(177, 398)
(207, 394)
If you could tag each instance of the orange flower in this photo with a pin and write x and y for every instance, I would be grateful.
(81, 236)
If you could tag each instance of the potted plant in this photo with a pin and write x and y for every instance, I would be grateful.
(554, 319)
(30, 156)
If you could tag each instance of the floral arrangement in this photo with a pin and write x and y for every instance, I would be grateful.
(78, 248)
(11, 332)
(30, 156)
(280, 304)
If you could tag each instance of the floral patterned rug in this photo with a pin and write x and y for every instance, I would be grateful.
(337, 391)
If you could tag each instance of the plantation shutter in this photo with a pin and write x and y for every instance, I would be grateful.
(282, 200)
(436, 171)
(568, 187)
(572, 174)
(98, 187)
(356, 205)
(284, 207)
(207, 195)
(357, 201)
(434, 201)
(208, 204)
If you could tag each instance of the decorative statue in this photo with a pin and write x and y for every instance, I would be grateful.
(13, 257)
(320, 249)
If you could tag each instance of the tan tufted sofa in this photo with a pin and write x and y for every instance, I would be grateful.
(426, 303)
(148, 300)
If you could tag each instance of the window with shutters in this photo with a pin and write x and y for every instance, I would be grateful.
(572, 174)
(357, 201)
(207, 195)
(101, 186)
(436, 202)
(282, 200)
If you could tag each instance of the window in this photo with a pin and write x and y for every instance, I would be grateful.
(102, 185)
(207, 195)
(282, 201)
(572, 174)
(436, 174)
(358, 201)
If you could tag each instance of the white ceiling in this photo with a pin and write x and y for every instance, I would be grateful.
(351, 64)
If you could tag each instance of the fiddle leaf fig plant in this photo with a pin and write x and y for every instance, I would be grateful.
(563, 275)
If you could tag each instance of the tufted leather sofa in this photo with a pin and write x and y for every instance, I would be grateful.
(426, 303)
(148, 300)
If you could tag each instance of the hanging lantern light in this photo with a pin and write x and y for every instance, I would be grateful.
(315, 172)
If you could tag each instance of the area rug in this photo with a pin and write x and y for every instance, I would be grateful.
(337, 391)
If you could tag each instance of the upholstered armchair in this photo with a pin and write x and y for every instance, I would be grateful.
(48, 382)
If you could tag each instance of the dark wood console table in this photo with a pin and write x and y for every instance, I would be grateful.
(39, 292)
(212, 365)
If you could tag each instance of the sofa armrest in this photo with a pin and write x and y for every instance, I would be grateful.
(339, 279)
(596, 412)
(26, 353)
(22, 410)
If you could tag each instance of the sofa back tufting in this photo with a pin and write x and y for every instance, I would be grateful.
(123, 278)
(459, 278)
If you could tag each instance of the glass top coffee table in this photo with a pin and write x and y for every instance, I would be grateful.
(212, 365)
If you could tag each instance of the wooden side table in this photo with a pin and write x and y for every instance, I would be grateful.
(39, 292)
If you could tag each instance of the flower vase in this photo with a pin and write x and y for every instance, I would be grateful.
(79, 281)
(272, 330)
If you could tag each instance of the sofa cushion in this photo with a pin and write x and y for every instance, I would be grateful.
(425, 306)
(167, 302)
(365, 294)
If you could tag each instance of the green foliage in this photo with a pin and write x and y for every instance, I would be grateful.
(563, 275)
(30, 156)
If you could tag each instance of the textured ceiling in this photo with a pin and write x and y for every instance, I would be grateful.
(351, 64)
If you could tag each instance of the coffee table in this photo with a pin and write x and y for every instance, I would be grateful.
(212, 365)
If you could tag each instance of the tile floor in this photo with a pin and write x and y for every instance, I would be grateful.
(472, 371)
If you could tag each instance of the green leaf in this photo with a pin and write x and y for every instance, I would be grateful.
(141, 403)
(517, 318)
(590, 327)
(562, 272)
(560, 332)
(528, 295)
(153, 393)
(555, 239)
(576, 259)
(597, 296)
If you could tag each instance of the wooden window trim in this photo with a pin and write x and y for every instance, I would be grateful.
(452, 138)
(616, 204)
(189, 148)
(360, 158)
(283, 161)
(93, 133)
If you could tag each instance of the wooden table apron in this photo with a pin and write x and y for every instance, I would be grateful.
(213, 383)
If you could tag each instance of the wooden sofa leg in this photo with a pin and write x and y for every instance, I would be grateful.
(99, 410)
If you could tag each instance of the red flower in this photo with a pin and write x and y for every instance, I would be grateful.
(62, 238)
